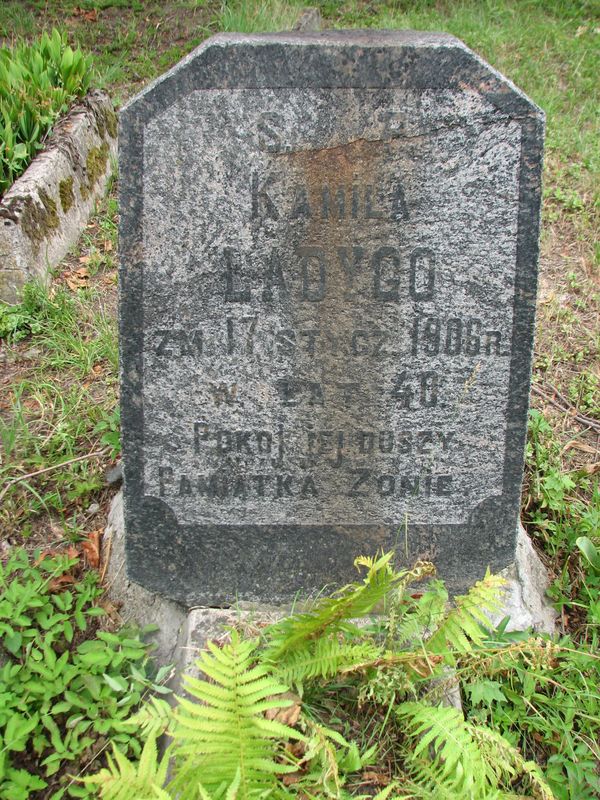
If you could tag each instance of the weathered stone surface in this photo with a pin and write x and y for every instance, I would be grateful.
(181, 633)
(45, 210)
(114, 476)
(525, 600)
(329, 246)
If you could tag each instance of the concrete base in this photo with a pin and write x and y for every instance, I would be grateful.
(135, 603)
(525, 600)
(183, 633)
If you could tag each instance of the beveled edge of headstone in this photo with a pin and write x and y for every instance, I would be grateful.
(498, 89)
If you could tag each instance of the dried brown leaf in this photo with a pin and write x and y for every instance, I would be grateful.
(585, 448)
(288, 715)
(591, 469)
(88, 16)
(291, 778)
(91, 548)
(375, 778)
(59, 583)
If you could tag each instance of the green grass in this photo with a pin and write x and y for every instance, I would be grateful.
(132, 41)
(61, 404)
(258, 17)
(562, 506)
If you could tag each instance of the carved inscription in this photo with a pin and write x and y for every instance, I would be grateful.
(343, 324)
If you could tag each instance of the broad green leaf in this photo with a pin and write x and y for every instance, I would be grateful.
(589, 550)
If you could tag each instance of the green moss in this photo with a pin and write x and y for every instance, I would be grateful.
(107, 123)
(65, 192)
(111, 122)
(39, 219)
(95, 166)
(49, 208)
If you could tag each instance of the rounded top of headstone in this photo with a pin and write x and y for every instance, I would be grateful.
(412, 60)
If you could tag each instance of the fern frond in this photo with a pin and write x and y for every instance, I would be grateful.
(465, 624)
(226, 731)
(532, 653)
(153, 717)
(507, 762)
(440, 744)
(412, 622)
(447, 754)
(540, 788)
(225, 792)
(334, 613)
(123, 779)
(428, 787)
(324, 658)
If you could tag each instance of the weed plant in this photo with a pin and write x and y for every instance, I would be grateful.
(38, 82)
(66, 688)
(547, 709)
(56, 411)
(319, 706)
(563, 512)
(243, 17)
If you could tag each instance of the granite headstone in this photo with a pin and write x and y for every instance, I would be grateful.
(329, 247)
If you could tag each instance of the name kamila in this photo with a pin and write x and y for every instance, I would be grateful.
(358, 483)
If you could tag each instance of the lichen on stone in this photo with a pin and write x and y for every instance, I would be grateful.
(65, 192)
(95, 165)
(100, 123)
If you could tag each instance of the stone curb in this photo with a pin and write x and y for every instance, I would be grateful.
(43, 213)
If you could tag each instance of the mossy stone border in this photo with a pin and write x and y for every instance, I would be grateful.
(45, 210)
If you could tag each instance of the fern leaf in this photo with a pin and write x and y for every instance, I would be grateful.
(418, 618)
(227, 793)
(324, 658)
(440, 739)
(465, 624)
(222, 729)
(234, 787)
(536, 780)
(506, 761)
(123, 779)
(451, 757)
(153, 717)
(332, 614)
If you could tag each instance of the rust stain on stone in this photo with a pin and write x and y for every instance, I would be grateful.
(341, 190)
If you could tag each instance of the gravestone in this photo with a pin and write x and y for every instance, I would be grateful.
(329, 247)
